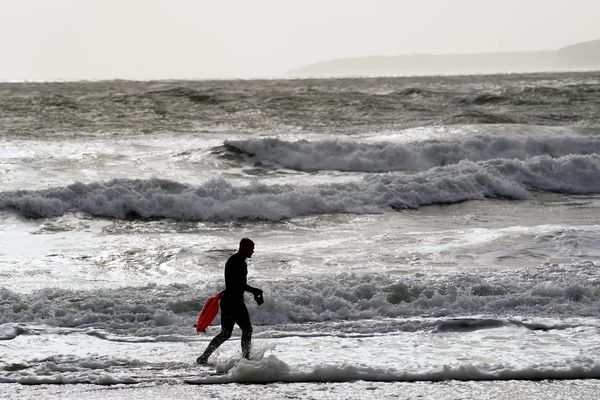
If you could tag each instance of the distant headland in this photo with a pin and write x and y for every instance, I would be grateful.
(580, 56)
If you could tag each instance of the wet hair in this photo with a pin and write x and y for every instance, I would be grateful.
(245, 242)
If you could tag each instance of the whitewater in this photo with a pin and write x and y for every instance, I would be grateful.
(415, 237)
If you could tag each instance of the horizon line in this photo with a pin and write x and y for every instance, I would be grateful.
(292, 78)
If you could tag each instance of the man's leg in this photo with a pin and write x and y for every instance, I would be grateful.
(227, 322)
(243, 321)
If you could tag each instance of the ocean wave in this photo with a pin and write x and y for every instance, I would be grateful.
(344, 155)
(192, 95)
(473, 116)
(164, 313)
(11, 331)
(486, 99)
(102, 370)
(219, 200)
(271, 369)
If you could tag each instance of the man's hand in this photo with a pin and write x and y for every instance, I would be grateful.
(258, 296)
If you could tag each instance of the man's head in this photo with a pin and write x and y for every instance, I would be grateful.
(246, 247)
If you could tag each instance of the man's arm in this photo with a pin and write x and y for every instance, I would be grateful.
(252, 290)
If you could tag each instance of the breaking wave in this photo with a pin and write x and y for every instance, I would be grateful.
(155, 313)
(343, 155)
(219, 200)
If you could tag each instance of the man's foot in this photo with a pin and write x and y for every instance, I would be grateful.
(202, 360)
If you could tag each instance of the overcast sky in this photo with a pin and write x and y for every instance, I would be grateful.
(170, 39)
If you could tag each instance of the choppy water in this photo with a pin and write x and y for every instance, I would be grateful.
(406, 229)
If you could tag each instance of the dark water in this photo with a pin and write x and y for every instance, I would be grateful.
(334, 106)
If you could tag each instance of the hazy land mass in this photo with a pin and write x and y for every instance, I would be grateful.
(580, 56)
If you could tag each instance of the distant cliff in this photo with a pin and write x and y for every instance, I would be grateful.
(579, 56)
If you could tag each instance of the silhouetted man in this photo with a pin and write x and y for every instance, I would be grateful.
(233, 309)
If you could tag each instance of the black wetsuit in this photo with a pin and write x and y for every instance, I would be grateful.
(233, 308)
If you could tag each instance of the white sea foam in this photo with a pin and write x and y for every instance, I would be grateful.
(64, 369)
(346, 155)
(271, 369)
(218, 200)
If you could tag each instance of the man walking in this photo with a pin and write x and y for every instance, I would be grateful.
(233, 308)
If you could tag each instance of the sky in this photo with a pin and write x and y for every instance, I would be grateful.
(198, 39)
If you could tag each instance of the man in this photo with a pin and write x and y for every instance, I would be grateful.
(233, 309)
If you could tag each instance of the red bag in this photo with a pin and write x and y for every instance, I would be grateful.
(208, 313)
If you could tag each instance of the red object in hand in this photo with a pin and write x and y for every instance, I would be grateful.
(208, 313)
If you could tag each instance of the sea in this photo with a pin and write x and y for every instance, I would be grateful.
(415, 237)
